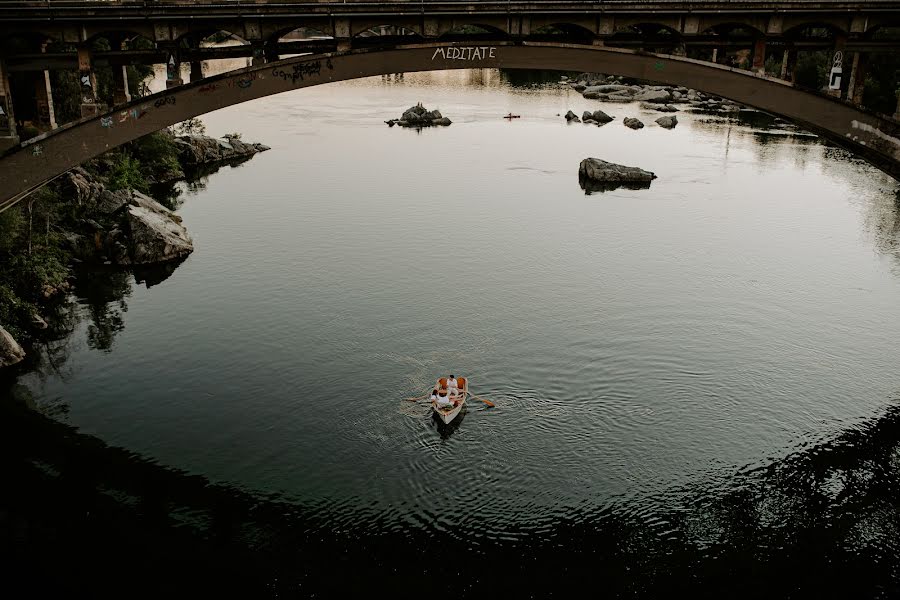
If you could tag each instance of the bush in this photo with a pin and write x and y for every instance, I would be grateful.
(126, 174)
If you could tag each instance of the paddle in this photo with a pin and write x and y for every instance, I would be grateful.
(486, 401)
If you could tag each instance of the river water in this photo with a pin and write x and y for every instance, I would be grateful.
(695, 383)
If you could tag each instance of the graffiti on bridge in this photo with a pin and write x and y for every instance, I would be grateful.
(465, 53)
(301, 71)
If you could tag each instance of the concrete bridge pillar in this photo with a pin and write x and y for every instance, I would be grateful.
(196, 70)
(173, 65)
(90, 107)
(759, 56)
(789, 65)
(44, 95)
(857, 81)
(840, 41)
(121, 93)
(8, 137)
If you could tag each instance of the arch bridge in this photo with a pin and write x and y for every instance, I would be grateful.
(34, 162)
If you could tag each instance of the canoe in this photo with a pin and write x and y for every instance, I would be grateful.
(512, 116)
(449, 413)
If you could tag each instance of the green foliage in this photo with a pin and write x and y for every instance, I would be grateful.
(126, 173)
(190, 127)
(813, 69)
(157, 153)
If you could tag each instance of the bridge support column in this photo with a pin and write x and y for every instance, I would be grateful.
(788, 64)
(173, 66)
(259, 54)
(121, 94)
(857, 78)
(759, 56)
(840, 40)
(196, 70)
(8, 137)
(89, 105)
(44, 99)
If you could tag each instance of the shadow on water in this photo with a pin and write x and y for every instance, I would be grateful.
(591, 186)
(79, 516)
(447, 429)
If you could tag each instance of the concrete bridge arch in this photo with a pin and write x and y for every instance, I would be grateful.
(29, 165)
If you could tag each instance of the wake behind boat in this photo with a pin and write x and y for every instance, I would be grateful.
(449, 412)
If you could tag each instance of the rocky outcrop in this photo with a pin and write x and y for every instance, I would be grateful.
(79, 186)
(572, 117)
(145, 232)
(633, 123)
(595, 86)
(668, 122)
(598, 175)
(156, 235)
(10, 350)
(419, 116)
(194, 150)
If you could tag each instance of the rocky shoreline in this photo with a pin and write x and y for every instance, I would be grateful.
(102, 220)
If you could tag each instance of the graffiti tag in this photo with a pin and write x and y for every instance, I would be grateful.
(163, 101)
(301, 71)
(106, 122)
(37, 150)
(465, 53)
(209, 87)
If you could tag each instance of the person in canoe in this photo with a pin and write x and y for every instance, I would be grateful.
(452, 386)
(442, 399)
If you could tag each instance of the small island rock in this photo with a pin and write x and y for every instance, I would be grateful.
(601, 171)
(633, 123)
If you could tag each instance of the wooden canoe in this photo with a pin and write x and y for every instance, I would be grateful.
(448, 413)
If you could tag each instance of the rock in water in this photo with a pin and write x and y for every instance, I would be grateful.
(587, 116)
(633, 123)
(156, 233)
(654, 96)
(595, 175)
(10, 350)
(668, 122)
(601, 117)
(570, 117)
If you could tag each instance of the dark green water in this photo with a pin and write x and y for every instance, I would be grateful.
(695, 384)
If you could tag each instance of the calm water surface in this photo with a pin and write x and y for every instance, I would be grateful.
(670, 366)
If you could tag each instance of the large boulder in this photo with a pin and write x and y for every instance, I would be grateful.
(654, 96)
(603, 171)
(633, 123)
(10, 350)
(668, 122)
(154, 234)
(80, 187)
(572, 117)
(595, 175)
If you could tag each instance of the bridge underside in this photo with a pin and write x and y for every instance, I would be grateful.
(29, 165)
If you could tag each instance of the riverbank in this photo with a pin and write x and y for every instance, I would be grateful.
(103, 213)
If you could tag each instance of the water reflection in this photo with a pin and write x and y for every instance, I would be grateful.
(822, 521)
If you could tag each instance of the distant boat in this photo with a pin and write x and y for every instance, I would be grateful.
(512, 116)
(448, 413)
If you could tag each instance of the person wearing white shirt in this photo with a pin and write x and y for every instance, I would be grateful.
(453, 386)
(442, 400)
